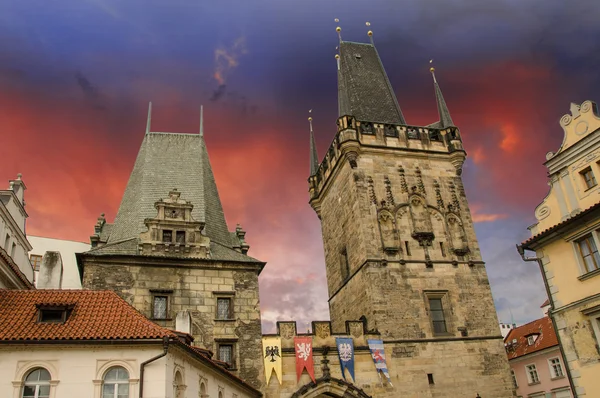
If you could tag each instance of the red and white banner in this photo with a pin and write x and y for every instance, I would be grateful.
(304, 356)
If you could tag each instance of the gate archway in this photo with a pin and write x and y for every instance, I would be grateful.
(330, 387)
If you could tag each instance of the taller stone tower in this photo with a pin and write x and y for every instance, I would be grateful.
(400, 248)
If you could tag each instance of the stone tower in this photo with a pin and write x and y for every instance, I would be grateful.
(400, 248)
(170, 254)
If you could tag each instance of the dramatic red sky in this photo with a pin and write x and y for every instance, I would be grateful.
(76, 77)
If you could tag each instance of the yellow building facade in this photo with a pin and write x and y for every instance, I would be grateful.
(566, 238)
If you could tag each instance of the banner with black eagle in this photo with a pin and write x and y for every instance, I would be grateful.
(272, 357)
(304, 356)
(345, 348)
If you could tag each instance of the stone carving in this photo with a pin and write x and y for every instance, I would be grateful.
(420, 215)
(403, 185)
(322, 330)
(455, 202)
(457, 234)
(387, 228)
(352, 159)
(356, 329)
(542, 212)
(287, 330)
(438, 195)
(371, 188)
(581, 128)
(420, 184)
(388, 191)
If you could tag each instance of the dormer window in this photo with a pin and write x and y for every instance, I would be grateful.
(531, 339)
(167, 236)
(53, 314)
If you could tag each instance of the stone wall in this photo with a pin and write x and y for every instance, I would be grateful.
(459, 368)
(192, 287)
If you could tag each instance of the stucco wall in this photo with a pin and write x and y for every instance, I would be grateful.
(540, 360)
(67, 249)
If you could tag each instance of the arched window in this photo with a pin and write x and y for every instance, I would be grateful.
(203, 390)
(220, 394)
(178, 385)
(37, 384)
(116, 383)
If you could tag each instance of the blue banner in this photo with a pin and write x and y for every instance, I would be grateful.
(345, 348)
(376, 348)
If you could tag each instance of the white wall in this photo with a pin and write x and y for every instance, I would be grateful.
(67, 249)
(11, 214)
(74, 368)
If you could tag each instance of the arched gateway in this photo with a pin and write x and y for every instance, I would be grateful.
(330, 387)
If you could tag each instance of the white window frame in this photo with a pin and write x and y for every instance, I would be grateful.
(27, 367)
(553, 374)
(102, 366)
(529, 380)
(514, 378)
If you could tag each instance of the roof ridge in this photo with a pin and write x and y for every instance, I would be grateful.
(111, 244)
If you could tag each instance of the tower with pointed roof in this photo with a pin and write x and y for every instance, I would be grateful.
(400, 247)
(170, 253)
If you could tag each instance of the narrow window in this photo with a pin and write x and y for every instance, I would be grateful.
(159, 310)
(442, 249)
(345, 263)
(514, 379)
(167, 235)
(532, 375)
(436, 312)
(556, 368)
(226, 353)
(180, 237)
(530, 340)
(224, 308)
(430, 378)
(407, 246)
(12, 250)
(589, 253)
(6, 242)
(115, 383)
(36, 261)
(588, 177)
(37, 384)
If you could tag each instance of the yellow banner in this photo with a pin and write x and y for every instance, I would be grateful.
(272, 357)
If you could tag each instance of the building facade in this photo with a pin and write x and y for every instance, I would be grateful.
(16, 271)
(169, 253)
(535, 361)
(93, 344)
(565, 239)
(402, 260)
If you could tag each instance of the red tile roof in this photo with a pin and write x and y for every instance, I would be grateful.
(546, 339)
(15, 268)
(96, 315)
(547, 302)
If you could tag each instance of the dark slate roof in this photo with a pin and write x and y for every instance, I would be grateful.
(364, 90)
(445, 119)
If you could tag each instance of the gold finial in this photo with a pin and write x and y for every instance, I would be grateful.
(370, 33)
(368, 23)
(432, 69)
(336, 20)
(337, 56)
(310, 119)
(338, 29)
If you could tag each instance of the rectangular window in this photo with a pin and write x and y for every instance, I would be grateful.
(442, 249)
(430, 378)
(436, 311)
(226, 353)
(6, 242)
(12, 251)
(36, 261)
(167, 235)
(180, 237)
(532, 375)
(588, 177)
(224, 310)
(345, 264)
(514, 379)
(555, 368)
(160, 304)
(589, 252)
(407, 247)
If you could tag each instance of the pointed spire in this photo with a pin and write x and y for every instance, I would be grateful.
(445, 119)
(314, 163)
(201, 121)
(149, 117)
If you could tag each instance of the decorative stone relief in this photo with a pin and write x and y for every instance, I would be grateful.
(542, 212)
(322, 330)
(388, 192)
(403, 185)
(457, 234)
(438, 195)
(421, 221)
(287, 330)
(455, 202)
(387, 229)
(420, 184)
(356, 329)
(371, 188)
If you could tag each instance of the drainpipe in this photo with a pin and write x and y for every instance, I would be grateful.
(551, 315)
(165, 349)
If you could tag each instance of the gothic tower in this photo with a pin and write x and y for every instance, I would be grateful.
(170, 254)
(400, 247)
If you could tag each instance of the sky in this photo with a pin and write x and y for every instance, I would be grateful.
(76, 77)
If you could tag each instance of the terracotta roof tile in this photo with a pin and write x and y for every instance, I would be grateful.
(546, 339)
(96, 315)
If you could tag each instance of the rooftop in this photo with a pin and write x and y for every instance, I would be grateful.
(546, 338)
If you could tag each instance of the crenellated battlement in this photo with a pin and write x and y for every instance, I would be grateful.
(323, 336)
(354, 136)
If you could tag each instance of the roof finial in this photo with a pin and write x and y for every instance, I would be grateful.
(314, 163)
(338, 30)
(444, 113)
(370, 32)
(149, 117)
(201, 121)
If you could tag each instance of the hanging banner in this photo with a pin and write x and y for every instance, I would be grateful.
(345, 347)
(376, 347)
(272, 357)
(304, 356)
